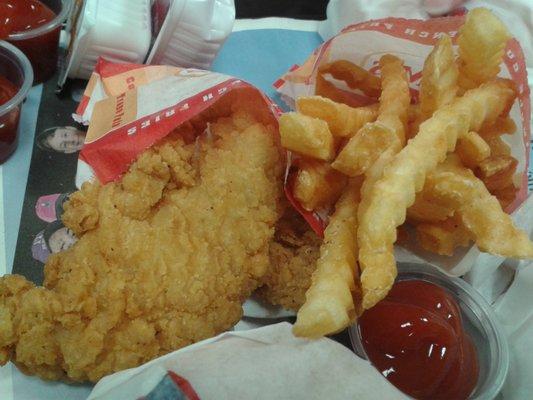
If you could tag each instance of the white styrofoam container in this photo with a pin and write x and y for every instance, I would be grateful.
(193, 32)
(119, 30)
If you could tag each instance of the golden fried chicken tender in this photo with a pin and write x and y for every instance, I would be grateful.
(165, 258)
(293, 255)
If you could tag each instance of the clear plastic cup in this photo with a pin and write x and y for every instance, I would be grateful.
(41, 45)
(15, 68)
(479, 322)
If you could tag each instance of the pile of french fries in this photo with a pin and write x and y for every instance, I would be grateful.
(440, 164)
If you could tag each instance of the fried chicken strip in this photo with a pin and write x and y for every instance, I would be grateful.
(293, 255)
(165, 257)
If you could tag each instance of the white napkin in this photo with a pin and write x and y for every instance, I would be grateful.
(515, 312)
(264, 363)
(488, 275)
(513, 306)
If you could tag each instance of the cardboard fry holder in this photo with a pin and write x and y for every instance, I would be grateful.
(130, 107)
(411, 40)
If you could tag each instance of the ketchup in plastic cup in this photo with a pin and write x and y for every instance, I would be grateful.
(16, 78)
(415, 337)
(34, 27)
(434, 337)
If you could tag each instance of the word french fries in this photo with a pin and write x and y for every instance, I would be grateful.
(306, 135)
(329, 306)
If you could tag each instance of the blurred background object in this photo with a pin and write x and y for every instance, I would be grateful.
(118, 30)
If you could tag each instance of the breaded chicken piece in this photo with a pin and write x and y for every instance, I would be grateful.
(293, 255)
(165, 257)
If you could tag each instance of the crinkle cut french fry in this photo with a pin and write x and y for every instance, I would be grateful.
(395, 97)
(363, 149)
(426, 210)
(413, 121)
(343, 120)
(317, 184)
(438, 85)
(506, 195)
(482, 40)
(354, 76)
(472, 149)
(442, 237)
(372, 176)
(326, 89)
(502, 126)
(329, 306)
(405, 176)
(306, 135)
(497, 172)
(481, 213)
(497, 146)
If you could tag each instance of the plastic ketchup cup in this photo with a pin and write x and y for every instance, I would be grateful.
(485, 352)
(16, 77)
(35, 28)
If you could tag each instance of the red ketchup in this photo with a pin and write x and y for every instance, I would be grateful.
(18, 16)
(415, 337)
(8, 122)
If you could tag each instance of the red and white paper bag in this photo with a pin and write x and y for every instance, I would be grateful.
(130, 107)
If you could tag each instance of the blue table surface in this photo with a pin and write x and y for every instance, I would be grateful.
(257, 56)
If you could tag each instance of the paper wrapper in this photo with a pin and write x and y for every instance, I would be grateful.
(411, 40)
(130, 107)
(264, 363)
